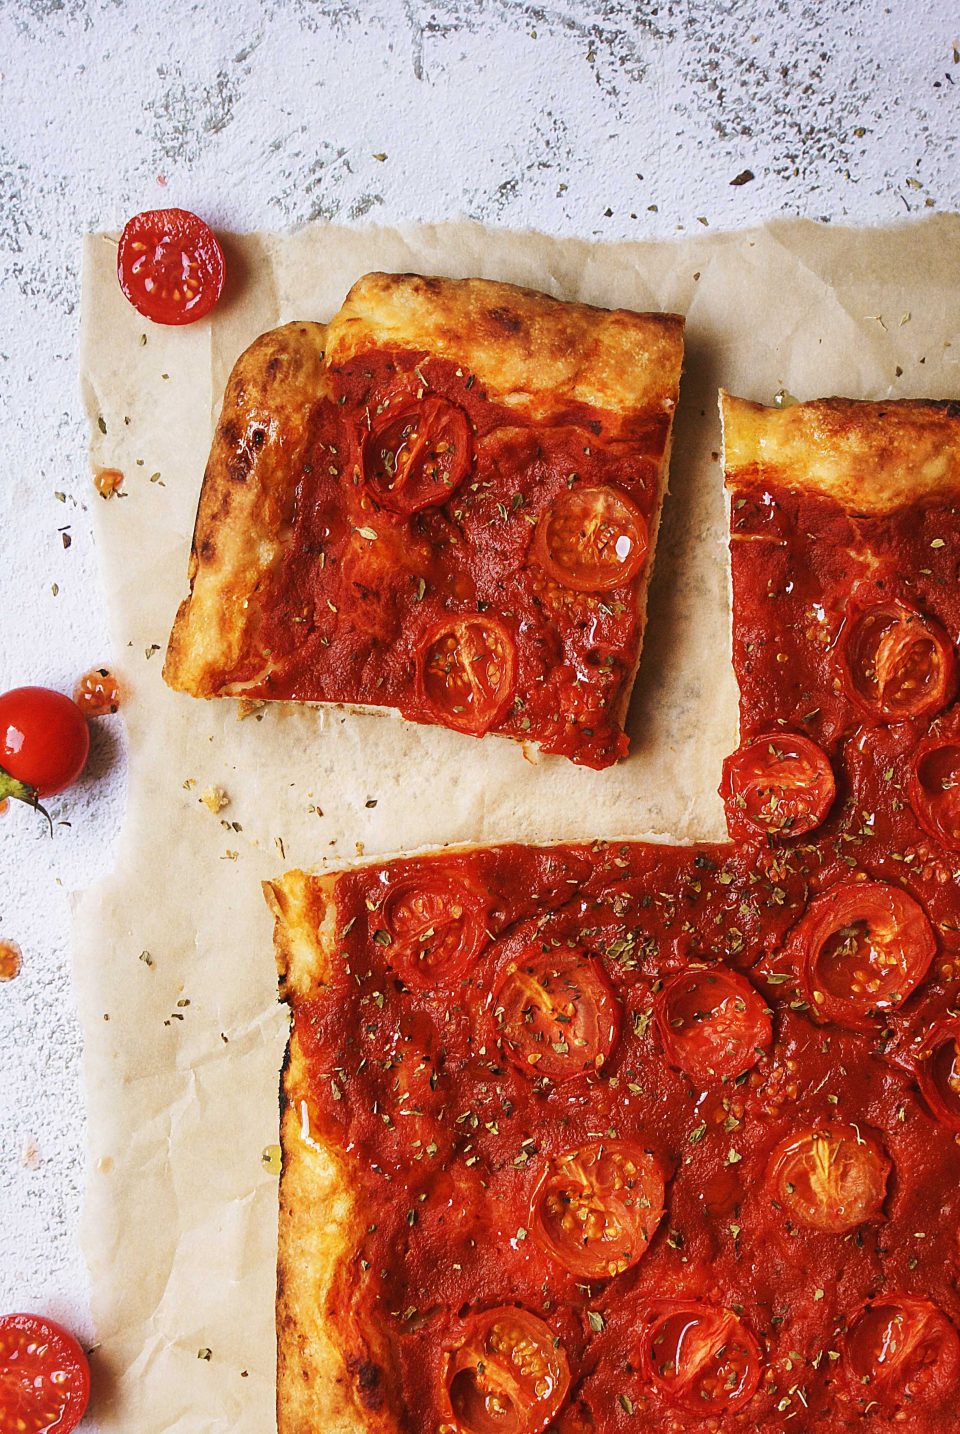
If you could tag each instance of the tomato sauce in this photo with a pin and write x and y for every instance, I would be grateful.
(515, 1025)
(424, 505)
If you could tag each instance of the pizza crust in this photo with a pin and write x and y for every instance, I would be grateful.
(871, 457)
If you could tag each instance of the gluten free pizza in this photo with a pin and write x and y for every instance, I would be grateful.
(443, 502)
(598, 1138)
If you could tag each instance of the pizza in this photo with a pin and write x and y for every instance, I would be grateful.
(444, 502)
(599, 1137)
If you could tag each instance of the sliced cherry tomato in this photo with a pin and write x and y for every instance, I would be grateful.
(557, 1013)
(778, 783)
(596, 1208)
(416, 453)
(466, 672)
(938, 1072)
(933, 788)
(591, 540)
(830, 1178)
(509, 1376)
(902, 1350)
(712, 1022)
(897, 662)
(436, 927)
(44, 743)
(170, 266)
(44, 1376)
(866, 946)
(700, 1358)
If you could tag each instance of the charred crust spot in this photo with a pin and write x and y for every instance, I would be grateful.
(258, 437)
(230, 434)
(273, 366)
(507, 320)
(207, 549)
(368, 1377)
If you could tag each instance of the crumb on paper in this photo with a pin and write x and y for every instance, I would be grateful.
(247, 706)
(214, 799)
(146, 958)
(204, 1353)
(30, 1155)
(360, 848)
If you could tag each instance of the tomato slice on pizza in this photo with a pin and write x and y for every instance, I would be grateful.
(597, 1207)
(780, 784)
(903, 1353)
(700, 1358)
(829, 1178)
(591, 540)
(933, 788)
(556, 1013)
(897, 662)
(467, 672)
(416, 453)
(712, 1023)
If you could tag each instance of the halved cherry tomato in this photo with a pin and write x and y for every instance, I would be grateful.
(170, 266)
(830, 1178)
(779, 783)
(866, 946)
(933, 788)
(509, 1376)
(596, 1207)
(466, 672)
(44, 1376)
(436, 928)
(44, 741)
(938, 1072)
(701, 1358)
(557, 1013)
(902, 1350)
(712, 1022)
(591, 540)
(897, 662)
(415, 453)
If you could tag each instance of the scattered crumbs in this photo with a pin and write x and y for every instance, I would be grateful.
(702, 219)
(190, 782)
(11, 958)
(101, 423)
(146, 958)
(214, 799)
(360, 848)
(248, 706)
(60, 497)
(381, 157)
(278, 843)
(55, 588)
(784, 399)
(905, 318)
(149, 651)
(164, 375)
(155, 478)
(899, 371)
(230, 855)
(744, 177)
(204, 1353)
(270, 1159)
(30, 1155)
(143, 341)
(65, 538)
(372, 801)
(243, 1374)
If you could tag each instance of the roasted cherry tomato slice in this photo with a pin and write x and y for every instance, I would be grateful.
(938, 1071)
(902, 1350)
(779, 783)
(591, 540)
(596, 1208)
(44, 1376)
(557, 1013)
(897, 662)
(509, 1376)
(436, 927)
(466, 673)
(933, 788)
(44, 739)
(170, 266)
(416, 453)
(829, 1178)
(712, 1022)
(865, 947)
(700, 1358)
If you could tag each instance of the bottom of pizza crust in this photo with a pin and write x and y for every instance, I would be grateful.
(591, 1138)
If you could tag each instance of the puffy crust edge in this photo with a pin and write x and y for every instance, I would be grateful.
(246, 500)
(527, 349)
(320, 1223)
(871, 457)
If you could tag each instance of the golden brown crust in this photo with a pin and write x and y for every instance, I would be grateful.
(320, 1388)
(246, 500)
(527, 350)
(871, 457)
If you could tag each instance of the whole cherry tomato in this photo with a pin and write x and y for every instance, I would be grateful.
(44, 743)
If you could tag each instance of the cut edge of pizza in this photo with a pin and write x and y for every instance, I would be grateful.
(541, 359)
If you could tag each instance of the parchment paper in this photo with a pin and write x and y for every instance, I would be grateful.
(183, 1044)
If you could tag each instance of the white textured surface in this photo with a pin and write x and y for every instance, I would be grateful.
(603, 119)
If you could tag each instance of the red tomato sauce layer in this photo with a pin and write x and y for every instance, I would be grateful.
(618, 1168)
(455, 560)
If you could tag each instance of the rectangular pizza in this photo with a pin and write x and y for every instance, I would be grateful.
(591, 1138)
(444, 502)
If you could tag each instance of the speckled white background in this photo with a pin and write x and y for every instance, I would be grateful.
(601, 118)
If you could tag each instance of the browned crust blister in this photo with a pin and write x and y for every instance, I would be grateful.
(871, 457)
(534, 354)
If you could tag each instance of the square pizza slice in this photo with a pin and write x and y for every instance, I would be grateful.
(568, 1146)
(444, 502)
